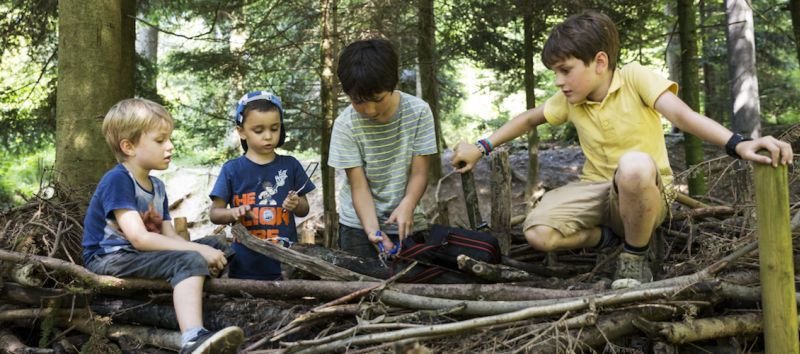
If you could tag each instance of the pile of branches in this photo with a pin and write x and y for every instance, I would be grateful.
(706, 298)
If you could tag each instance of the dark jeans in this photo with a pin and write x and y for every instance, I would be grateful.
(355, 242)
(173, 266)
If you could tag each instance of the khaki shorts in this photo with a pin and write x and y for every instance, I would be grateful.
(585, 205)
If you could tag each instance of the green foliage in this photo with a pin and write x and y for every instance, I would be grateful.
(21, 175)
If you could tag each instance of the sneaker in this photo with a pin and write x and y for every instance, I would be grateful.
(632, 270)
(224, 341)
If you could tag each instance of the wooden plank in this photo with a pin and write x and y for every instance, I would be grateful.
(775, 257)
(501, 198)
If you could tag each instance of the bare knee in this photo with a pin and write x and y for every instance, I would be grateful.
(635, 172)
(542, 238)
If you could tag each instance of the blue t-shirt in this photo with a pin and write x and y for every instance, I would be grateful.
(118, 190)
(264, 187)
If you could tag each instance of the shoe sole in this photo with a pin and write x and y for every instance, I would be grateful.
(225, 341)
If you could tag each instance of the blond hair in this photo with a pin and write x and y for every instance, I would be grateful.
(129, 118)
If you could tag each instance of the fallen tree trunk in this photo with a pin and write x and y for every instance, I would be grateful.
(703, 328)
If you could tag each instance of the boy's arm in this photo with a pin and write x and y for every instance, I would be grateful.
(403, 215)
(468, 154)
(220, 214)
(130, 222)
(363, 202)
(167, 229)
(686, 119)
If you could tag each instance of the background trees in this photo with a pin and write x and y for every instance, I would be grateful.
(209, 52)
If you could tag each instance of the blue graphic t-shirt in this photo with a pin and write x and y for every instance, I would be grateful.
(263, 187)
(118, 190)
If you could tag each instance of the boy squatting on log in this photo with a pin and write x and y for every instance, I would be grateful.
(625, 188)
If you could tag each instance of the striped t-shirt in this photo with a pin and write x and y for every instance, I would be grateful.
(384, 151)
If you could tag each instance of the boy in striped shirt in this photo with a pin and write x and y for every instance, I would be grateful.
(382, 141)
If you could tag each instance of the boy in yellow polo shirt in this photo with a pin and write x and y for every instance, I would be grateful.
(624, 188)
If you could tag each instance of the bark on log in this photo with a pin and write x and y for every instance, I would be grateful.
(608, 328)
(27, 275)
(703, 328)
(713, 211)
(146, 335)
(471, 200)
(369, 267)
(501, 198)
(547, 270)
(9, 343)
(309, 264)
(497, 273)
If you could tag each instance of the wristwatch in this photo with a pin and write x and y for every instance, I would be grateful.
(730, 146)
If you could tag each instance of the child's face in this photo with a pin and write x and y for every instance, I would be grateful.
(379, 109)
(577, 80)
(262, 131)
(154, 149)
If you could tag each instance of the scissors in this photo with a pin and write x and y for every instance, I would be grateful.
(384, 256)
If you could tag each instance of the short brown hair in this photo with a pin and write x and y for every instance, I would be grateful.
(129, 118)
(582, 36)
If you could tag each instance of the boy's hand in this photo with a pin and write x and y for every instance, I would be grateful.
(403, 216)
(465, 156)
(152, 220)
(291, 201)
(382, 238)
(242, 210)
(781, 151)
(214, 258)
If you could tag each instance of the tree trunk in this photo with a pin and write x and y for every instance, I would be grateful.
(95, 71)
(794, 8)
(530, 102)
(426, 52)
(714, 102)
(329, 107)
(746, 119)
(690, 92)
(147, 49)
(501, 198)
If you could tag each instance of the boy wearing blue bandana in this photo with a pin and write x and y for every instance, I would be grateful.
(127, 229)
(261, 189)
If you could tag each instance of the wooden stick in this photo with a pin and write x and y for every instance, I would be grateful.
(501, 198)
(775, 258)
(296, 259)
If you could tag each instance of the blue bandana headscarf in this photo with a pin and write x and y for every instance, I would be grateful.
(259, 95)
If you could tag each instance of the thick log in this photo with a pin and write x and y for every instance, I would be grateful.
(497, 273)
(543, 270)
(9, 343)
(775, 258)
(501, 198)
(369, 267)
(309, 264)
(703, 328)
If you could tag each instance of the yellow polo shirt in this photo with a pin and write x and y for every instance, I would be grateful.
(624, 121)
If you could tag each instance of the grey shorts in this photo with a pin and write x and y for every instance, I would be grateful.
(172, 266)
